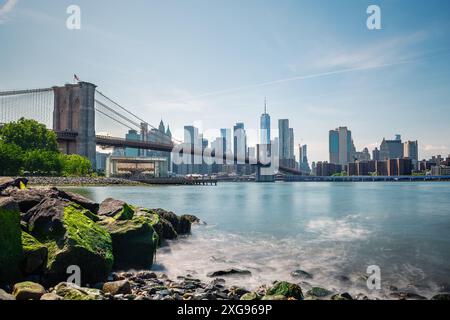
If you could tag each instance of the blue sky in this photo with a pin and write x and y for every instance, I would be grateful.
(211, 62)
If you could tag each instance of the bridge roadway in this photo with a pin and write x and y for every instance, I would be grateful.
(107, 141)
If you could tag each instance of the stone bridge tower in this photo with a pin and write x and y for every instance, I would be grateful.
(74, 119)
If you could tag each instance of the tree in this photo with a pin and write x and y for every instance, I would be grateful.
(76, 165)
(42, 162)
(29, 135)
(10, 159)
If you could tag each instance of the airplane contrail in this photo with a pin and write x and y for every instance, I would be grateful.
(296, 78)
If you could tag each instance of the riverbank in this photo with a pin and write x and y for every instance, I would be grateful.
(80, 181)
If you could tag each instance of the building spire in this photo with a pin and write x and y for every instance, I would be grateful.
(265, 105)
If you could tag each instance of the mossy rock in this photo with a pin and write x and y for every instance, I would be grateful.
(251, 296)
(163, 227)
(10, 241)
(134, 241)
(84, 244)
(34, 255)
(72, 239)
(318, 292)
(274, 297)
(289, 290)
(69, 291)
(28, 291)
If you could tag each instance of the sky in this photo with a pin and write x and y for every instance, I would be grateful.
(212, 62)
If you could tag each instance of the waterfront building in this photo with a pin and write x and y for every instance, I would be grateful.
(136, 167)
(391, 149)
(381, 168)
(376, 154)
(440, 170)
(132, 135)
(326, 169)
(341, 146)
(371, 167)
(352, 169)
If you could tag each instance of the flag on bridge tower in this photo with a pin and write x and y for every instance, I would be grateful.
(76, 78)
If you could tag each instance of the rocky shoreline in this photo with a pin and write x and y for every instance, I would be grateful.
(80, 181)
(50, 237)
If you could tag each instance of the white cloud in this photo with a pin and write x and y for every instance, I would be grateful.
(430, 147)
(380, 53)
(6, 8)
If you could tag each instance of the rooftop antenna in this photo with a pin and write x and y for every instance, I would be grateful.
(265, 105)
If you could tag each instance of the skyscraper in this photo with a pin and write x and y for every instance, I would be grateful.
(391, 149)
(411, 150)
(265, 126)
(286, 144)
(303, 159)
(240, 146)
(334, 146)
(225, 134)
(283, 135)
(341, 146)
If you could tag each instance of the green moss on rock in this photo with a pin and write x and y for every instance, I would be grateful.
(28, 291)
(10, 241)
(134, 240)
(34, 254)
(126, 213)
(85, 244)
(289, 290)
(69, 291)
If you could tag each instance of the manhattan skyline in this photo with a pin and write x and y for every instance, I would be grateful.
(196, 66)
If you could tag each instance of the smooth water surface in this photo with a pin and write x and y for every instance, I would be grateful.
(332, 230)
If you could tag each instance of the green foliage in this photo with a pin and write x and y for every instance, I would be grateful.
(10, 159)
(340, 174)
(29, 135)
(76, 165)
(27, 146)
(42, 162)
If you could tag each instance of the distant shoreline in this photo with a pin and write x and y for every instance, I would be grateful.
(80, 182)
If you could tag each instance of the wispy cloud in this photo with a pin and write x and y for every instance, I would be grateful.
(6, 8)
(379, 53)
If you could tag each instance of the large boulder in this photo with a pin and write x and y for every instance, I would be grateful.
(117, 209)
(72, 238)
(117, 287)
(10, 241)
(28, 291)
(133, 237)
(6, 182)
(182, 225)
(34, 255)
(69, 291)
(79, 199)
(28, 198)
(163, 228)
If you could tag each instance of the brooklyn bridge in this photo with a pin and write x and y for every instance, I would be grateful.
(76, 112)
